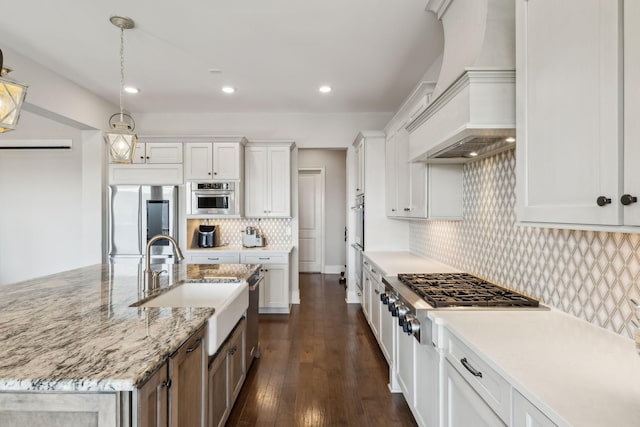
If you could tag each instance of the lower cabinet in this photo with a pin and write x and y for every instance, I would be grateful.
(188, 382)
(275, 289)
(525, 414)
(153, 400)
(405, 365)
(464, 407)
(227, 371)
(427, 368)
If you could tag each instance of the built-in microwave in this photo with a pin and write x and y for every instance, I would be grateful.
(213, 198)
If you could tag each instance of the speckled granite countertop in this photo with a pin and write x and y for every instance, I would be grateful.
(76, 331)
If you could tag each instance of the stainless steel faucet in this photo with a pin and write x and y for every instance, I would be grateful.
(151, 278)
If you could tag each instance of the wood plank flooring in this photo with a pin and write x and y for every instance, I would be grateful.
(319, 366)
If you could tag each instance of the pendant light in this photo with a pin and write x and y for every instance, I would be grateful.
(11, 98)
(121, 139)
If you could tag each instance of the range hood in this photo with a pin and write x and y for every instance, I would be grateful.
(472, 114)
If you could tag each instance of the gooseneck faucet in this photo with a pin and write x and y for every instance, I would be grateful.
(151, 276)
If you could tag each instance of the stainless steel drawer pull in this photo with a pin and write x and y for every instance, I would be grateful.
(265, 259)
(213, 259)
(470, 368)
(196, 345)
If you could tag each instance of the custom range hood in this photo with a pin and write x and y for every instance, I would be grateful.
(472, 114)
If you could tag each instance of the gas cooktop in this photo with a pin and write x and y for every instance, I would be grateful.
(463, 290)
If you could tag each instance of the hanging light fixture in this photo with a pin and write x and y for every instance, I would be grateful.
(121, 139)
(11, 98)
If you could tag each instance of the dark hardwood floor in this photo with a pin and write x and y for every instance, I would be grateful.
(319, 366)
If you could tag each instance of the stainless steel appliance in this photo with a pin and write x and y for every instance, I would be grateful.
(208, 236)
(136, 214)
(252, 237)
(409, 297)
(213, 198)
(252, 342)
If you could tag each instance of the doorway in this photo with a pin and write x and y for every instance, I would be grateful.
(311, 193)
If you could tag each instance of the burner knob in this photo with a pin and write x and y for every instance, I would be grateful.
(393, 308)
(403, 310)
(384, 297)
(390, 301)
(411, 324)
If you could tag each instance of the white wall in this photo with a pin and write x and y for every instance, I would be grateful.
(335, 164)
(50, 215)
(307, 130)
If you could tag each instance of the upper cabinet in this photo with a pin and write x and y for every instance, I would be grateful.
(268, 179)
(360, 167)
(570, 147)
(219, 160)
(156, 153)
(416, 189)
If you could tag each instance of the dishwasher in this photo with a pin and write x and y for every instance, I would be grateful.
(252, 333)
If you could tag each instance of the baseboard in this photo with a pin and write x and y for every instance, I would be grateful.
(353, 297)
(333, 269)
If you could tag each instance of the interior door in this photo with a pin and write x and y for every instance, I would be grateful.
(311, 221)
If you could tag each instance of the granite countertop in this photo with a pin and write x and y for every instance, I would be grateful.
(76, 331)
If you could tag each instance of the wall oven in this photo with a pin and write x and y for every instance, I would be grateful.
(213, 198)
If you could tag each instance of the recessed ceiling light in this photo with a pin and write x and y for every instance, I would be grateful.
(215, 70)
(510, 139)
(473, 154)
(131, 89)
(228, 89)
(325, 89)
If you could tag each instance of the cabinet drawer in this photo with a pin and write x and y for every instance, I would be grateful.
(493, 389)
(264, 259)
(215, 259)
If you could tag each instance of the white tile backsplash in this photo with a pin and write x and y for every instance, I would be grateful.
(277, 231)
(591, 275)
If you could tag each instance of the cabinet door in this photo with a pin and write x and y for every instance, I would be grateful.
(139, 153)
(631, 109)
(236, 362)
(276, 289)
(426, 380)
(163, 152)
(218, 396)
(568, 108)
(418, 190)
(525, 414)
(403, 175)
(187, 372)
(226, 160)
(462, 406)
(279, 191)
(405, 365)
(360, 167)
(366, 294)
(388, 330)
(375, 307)
(255, 172)
(153, 399)
(391, 170)
(198, 158)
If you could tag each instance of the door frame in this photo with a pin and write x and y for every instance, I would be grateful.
(321, 171)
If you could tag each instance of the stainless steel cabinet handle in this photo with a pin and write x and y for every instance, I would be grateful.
(213, 259)
(373, 270)
(196, 345)
(265, 258)
(470, 368)
(166, 383)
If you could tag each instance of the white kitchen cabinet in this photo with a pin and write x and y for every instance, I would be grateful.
(420, 190)
(569, 96)
(213, 160)
(268, 180)
(156, 174)
(427, 367)
(525, 414)
(366, 292)
(360, 167)
(631, 185)
(405, 365)
(274, 292)
(375, 304)
(387, 331)
(212, 257)
(157, 153)
(462, 406)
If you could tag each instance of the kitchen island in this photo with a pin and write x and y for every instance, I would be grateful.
(77, 331)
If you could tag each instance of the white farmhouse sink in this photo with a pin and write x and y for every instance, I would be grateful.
(229, 299)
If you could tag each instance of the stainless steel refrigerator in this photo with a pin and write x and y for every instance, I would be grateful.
(137, 213)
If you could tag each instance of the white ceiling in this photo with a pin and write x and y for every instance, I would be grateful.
(275, 52)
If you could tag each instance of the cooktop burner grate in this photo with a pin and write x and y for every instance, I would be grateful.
(463, 290)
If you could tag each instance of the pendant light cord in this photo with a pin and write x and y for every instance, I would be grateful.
(121, 70)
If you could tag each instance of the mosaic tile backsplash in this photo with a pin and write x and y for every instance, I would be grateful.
(591, 275)
(277, 231)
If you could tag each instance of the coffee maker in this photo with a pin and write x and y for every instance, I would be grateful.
(208, 236)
